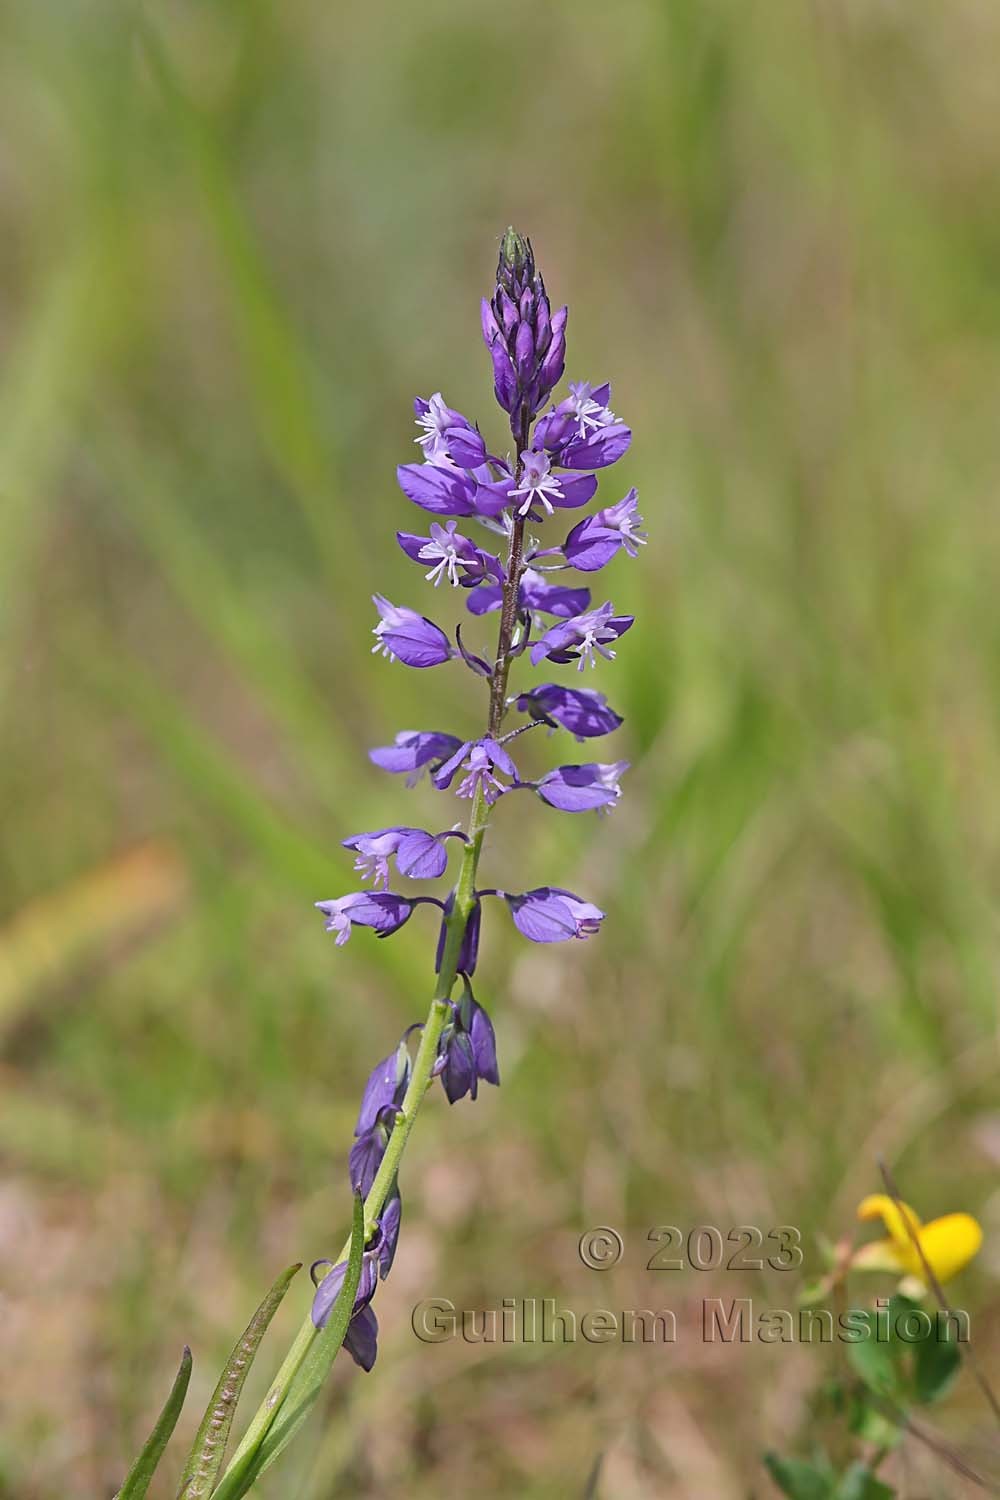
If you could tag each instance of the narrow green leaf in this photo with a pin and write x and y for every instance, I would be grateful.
(797, 1479)
(859, 1483)
(142, 1471)
(308, 1383)
(209, 1447)
(283, 1414)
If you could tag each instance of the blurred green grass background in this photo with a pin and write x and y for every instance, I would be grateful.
(229, 258)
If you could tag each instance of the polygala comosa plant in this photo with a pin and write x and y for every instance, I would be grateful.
(497, 534)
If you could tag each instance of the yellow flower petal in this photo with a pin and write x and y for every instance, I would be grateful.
(949, 1244)
(881, 1206)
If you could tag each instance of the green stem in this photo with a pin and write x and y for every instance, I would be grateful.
(437, 1016)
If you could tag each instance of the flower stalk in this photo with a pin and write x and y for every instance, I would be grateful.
(460, 480)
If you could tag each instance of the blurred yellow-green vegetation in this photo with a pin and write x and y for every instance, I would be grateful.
(231, 253)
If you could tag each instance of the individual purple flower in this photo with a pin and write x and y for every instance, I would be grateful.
(362, 1331)
(367, 1151)
(468, 953)
(582, 788)
(446, 434)
(597, 450)
(385, 1248)
(551, 915)
(452, 555)
(468, 1051)
(584, 713)
(438, 487)
(595, 540)
(380, 910)
(412, 750)
(527, 342)
(589, 406)
(583, 411)
(538, 491)
(361, 1341)
(385, 1088)
(583, 638)
(538, 485)
(535, 596)
(482, 759)
(419, 855)
(406, 636)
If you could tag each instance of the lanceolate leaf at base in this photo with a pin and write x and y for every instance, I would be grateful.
(142, 1471)
(316, 1366)
(278, 1421)
(209, 1447)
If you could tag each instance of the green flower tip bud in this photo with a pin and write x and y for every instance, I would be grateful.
(515, 250)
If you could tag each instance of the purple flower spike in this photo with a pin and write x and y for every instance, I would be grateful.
(419, 855)
(381, 910)
(594, 542)
(403, 635)
(482, 759)
(582, 788)
(412, 750)
(446, 435)
(584, 713)
(583, 638)
(458, 481)
(551, 915)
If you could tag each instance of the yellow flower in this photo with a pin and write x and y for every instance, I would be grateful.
(948, 1243)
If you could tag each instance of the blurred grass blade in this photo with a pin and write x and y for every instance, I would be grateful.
(42, 371)
(142, 1471)
(278, 368)
(216, 777)
(209, 1447)
(208, 590)
(209, 771)
(593, 1478)
(57, 934)
(275, 1431)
